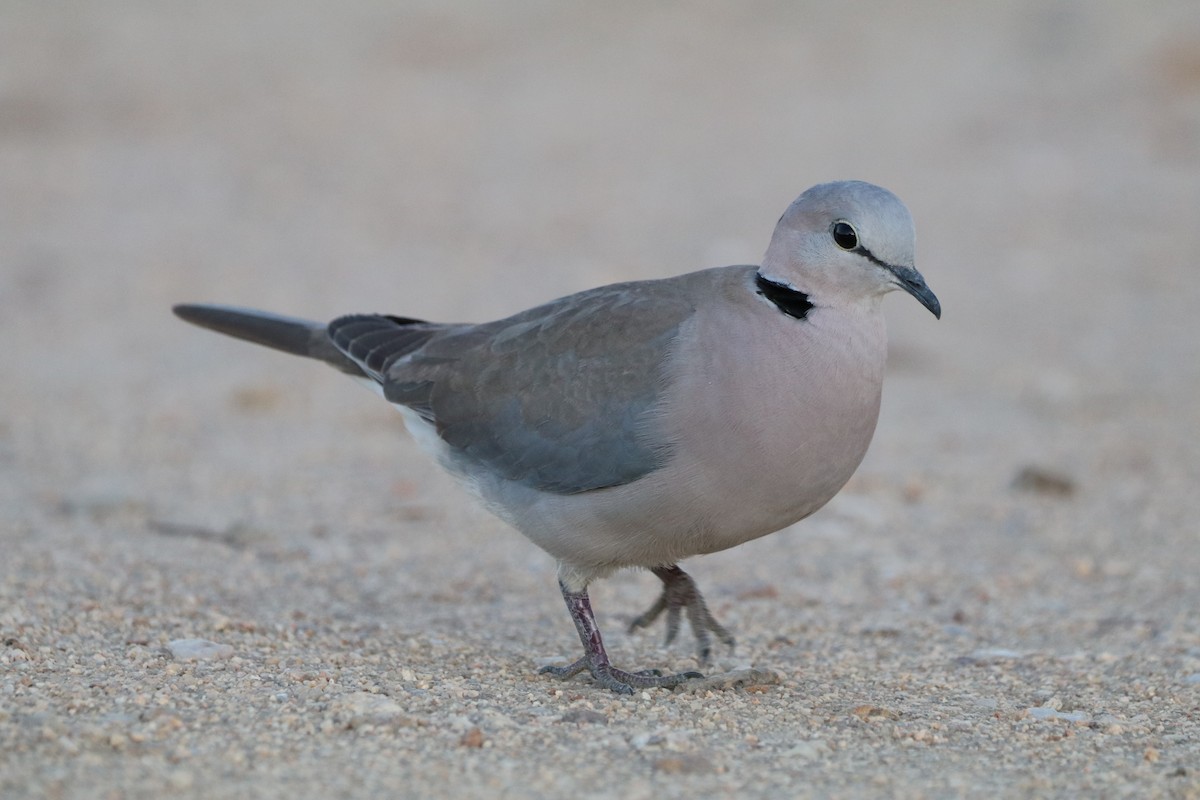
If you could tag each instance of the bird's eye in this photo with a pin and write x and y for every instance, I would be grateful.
(844, 235)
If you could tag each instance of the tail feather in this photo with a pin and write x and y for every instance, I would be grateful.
(291, 335)
(374, 341)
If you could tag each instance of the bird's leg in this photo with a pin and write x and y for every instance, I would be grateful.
(680, 592)
(595, 657)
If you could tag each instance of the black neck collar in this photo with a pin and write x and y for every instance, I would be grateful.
(790, 301)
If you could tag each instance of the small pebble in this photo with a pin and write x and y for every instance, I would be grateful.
(1040, 480)
(359, 709)
(810, 750)
(1047, 713)
(198, 650)
(688, 764)
(584, 716)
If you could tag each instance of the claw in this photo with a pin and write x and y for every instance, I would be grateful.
(680, 592)
(566, 672)
(595, 658)
(618, 680)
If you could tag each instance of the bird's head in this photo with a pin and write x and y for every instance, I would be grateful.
(846, 242)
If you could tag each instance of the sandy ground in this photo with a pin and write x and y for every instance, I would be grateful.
(1003, 602)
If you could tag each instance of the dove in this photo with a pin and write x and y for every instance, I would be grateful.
(637, 424)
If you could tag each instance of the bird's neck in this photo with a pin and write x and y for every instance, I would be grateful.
(787, 299)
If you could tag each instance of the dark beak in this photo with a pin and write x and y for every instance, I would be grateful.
(911, 281)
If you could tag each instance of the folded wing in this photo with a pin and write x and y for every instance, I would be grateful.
(560, 398)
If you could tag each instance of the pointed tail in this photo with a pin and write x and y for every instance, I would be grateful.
(291, 335)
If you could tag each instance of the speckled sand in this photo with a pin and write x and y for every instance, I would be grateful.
(1004, 602)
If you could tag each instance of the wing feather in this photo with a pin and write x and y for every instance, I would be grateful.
(560, 397)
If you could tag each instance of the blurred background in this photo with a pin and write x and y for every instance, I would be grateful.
(465, 161)
(462, 161)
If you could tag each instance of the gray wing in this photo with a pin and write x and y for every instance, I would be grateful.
(559, 398)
